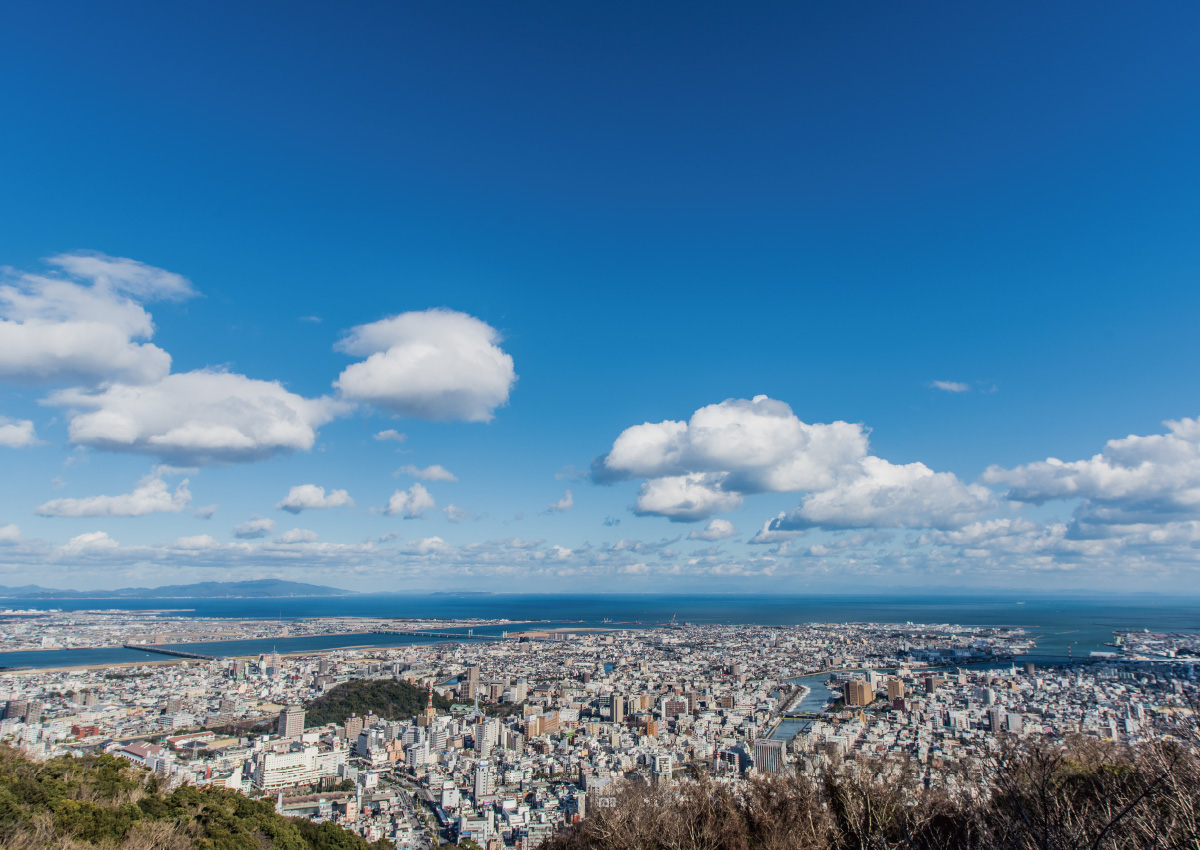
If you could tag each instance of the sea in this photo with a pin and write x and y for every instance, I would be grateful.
(1066, 627)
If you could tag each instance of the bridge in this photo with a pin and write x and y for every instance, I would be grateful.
(470, 634)
(162, 650)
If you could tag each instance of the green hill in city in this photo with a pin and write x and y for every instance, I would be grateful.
(106, 802)
(386, 698)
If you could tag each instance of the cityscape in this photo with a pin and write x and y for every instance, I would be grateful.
(616, 426)
(531, 729)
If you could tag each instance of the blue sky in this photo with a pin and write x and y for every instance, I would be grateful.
(513, 233)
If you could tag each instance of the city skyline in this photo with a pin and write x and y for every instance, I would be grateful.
(539, 299)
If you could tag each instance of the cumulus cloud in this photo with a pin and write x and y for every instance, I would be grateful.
(770, 536)
(205, 512)
(436, 472)
(685, 498)
(887, 495)
(91, 541)
(951, 386)
(456, 514)
(196, 418)
(196, 542)
(9, 534)
(1135, 480)
(152, 495)
(564, 504)
(16, 433)
(427, 546)
(718, 529)
(81, 322)
(754, 445)
(311, 497)
(706, 465)
(297, 535)
(432, 364)
(254, 528)
(411, 503)
(391, 434)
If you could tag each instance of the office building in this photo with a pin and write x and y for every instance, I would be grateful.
(769, 756)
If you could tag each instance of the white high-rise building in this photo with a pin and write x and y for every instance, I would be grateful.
(485, 780)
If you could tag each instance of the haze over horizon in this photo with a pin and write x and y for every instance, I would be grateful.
(671, 299)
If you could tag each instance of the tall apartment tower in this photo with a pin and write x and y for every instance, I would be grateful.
(895, 690)
(291, 721)
(859, 692)
(618, 708)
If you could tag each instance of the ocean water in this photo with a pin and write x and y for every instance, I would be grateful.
(1063, 625)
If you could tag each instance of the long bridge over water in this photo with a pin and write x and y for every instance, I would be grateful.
(162, 650)
(470, 634)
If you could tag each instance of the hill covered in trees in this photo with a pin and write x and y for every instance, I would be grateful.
(106, 802)
(386, 698)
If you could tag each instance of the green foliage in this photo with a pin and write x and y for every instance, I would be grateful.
(386, 698)
(100, 801)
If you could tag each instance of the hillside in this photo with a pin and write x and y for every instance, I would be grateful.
(268, 588)
(389, 699)
(105, 802)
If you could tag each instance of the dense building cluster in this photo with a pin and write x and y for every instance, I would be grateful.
(542, 724)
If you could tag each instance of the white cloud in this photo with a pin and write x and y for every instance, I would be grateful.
(152, 495)
(951, 386)
(9, 534)
(436, 472)
(254, 528)
(196, 418)
(755, 446)
(196, 542)
(82, 325)
(411, 503)
(90, 541)
(564, 504)
(205, 512)
(718, 529)
(768, 536)
(16, 433)
(456, 514)
(311, 497)
(433, 364)
(1134, 480)
(426, 546)
(888, 495)
(118, 274)
(704, 466)
(685, 498)
(297, 535)
(391, 434)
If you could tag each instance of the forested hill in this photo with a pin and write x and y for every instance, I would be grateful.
(105, 802)
(386, 698)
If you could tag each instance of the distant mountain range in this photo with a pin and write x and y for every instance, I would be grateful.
(262, 588)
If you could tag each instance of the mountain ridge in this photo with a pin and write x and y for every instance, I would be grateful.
(257, 588)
